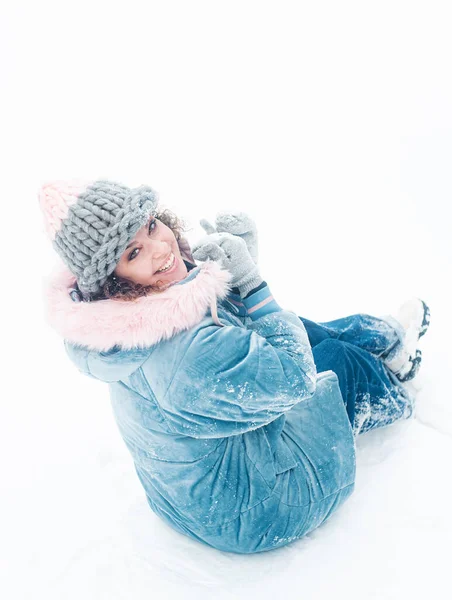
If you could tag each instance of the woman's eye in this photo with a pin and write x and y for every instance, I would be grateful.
(153, 222)
(150, 230)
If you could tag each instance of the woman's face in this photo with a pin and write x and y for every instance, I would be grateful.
(151, 249)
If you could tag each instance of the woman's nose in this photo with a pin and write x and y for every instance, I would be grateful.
(162, 251)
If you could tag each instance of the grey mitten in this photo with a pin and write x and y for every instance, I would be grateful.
(232, 253)
(238, 223)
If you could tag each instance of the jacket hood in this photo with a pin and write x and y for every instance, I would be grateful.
(102, 324)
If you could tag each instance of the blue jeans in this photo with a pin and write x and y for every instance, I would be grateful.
(353, 347)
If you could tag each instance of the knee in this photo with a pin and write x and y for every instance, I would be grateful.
(328, 353)
(332, 345)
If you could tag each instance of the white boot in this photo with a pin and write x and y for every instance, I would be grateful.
(414, 317)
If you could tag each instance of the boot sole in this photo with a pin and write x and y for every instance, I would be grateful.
(425, 321)
(416, 363)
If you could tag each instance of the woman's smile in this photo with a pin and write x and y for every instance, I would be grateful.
(168, 266)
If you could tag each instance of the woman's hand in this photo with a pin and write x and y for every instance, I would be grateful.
(232, 253)
(239, 224)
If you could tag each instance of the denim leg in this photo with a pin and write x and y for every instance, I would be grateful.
(372, 395)
(381, 337)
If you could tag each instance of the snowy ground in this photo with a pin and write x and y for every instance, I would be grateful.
(330, 123)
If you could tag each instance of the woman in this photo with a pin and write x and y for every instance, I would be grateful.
(240, 416)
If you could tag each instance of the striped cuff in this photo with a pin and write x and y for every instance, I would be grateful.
(261, 303)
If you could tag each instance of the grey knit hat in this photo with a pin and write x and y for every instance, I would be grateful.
(91, 223)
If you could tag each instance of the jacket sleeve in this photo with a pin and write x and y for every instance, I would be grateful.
(235, 379)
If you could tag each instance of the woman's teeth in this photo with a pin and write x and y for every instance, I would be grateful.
(168, 264)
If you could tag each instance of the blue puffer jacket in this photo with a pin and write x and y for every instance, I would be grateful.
(237, 440)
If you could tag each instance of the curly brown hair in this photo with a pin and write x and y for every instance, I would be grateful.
(118, 288)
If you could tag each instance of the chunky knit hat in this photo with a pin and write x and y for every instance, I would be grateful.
(91, 223)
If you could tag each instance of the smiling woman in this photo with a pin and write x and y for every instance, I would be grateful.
(240, 415)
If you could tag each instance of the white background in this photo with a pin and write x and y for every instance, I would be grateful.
(330, 123)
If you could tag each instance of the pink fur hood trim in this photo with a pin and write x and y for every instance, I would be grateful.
(102, 324)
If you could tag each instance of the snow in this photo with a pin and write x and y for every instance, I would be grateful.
(330, 124)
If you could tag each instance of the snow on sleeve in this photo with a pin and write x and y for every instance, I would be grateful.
(235, 379)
